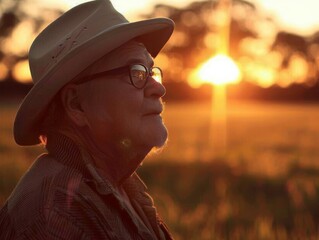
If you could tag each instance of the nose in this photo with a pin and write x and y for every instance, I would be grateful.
(154, 88)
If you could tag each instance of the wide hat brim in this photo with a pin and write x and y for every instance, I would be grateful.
(153, 33)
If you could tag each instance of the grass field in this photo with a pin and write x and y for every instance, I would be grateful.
(261, 138)
(264, 185)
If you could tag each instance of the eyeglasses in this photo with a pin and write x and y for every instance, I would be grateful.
(139, 74)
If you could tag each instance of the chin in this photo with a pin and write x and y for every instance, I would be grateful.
(161, 138)
(156, 136)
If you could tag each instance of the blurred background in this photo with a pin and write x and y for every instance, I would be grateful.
(241, 105)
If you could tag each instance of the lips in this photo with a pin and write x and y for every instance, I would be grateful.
(155, 111)
(152, 113)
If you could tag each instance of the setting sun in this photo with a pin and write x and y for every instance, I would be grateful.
(218, 70)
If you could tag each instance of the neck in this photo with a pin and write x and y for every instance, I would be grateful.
(116, 162)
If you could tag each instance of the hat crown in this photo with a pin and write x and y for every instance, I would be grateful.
(72, 29)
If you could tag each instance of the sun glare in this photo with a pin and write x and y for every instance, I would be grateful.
(218, 70)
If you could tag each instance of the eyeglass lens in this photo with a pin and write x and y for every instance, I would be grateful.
(157, 74)
(139, 75)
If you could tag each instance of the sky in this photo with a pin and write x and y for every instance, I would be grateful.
(291, 15)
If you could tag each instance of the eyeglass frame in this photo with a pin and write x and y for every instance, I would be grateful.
(117, 70)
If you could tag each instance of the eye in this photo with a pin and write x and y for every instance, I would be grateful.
(138, 71)
(138, 75)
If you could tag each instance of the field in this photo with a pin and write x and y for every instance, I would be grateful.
(262, 184)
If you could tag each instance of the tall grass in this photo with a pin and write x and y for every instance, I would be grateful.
(216, 201)
(265, 186)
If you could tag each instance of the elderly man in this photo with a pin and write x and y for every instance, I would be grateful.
(96, 105)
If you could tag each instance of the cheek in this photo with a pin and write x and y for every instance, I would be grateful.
(99, 123)
(100, 102)
(98, 114)
(121, 116)
(116, 114)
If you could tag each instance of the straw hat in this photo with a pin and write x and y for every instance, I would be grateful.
(69, 45)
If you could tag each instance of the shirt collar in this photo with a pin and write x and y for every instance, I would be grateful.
(65, 151)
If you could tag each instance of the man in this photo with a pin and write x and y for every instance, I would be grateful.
(96, 105)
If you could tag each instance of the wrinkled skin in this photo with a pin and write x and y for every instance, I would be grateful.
(118, 124)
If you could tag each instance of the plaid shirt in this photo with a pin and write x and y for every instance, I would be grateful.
(62, 196)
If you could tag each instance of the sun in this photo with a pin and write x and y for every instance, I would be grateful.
(218, 70)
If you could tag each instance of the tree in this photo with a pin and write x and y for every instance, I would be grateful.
(18, 27)
(266, 55)
(194, 38)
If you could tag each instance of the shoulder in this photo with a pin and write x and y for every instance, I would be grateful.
(49, 200)
(38, 187)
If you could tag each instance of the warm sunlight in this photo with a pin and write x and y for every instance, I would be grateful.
(21, 72)
(218, 70)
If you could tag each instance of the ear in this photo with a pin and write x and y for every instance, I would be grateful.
(72, 105)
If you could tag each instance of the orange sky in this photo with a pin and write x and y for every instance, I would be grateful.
(304, 22)
(295, 16)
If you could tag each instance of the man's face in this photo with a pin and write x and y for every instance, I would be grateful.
(118, 114)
